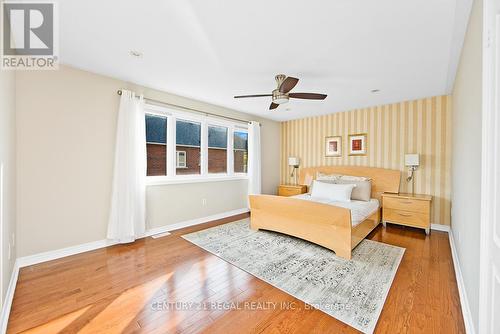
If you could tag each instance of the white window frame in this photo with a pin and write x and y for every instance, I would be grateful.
(239, 129)
(205, 121)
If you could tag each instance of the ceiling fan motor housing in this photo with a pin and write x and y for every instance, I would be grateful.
(279, 98)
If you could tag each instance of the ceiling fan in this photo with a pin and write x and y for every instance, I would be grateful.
(281, 94)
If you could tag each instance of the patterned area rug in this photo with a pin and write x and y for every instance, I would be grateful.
(352, 291)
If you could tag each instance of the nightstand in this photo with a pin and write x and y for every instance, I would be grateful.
(407, 209)
(291, 190)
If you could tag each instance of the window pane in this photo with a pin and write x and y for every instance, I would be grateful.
(217, 149)
(156, 145)
(240, 152)
(188, 140)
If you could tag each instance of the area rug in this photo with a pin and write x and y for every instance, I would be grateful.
(352, 291)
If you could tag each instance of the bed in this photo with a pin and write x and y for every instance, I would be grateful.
(338, 227)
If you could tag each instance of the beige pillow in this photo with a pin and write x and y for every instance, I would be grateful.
(328, 178)
(362, 191)
(354, 178)
(325, 178)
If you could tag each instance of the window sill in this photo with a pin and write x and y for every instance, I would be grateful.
(163, 180)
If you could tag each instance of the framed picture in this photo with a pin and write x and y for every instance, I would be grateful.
(333, 146)
(357, 144)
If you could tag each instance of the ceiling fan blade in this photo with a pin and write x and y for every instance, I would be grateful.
(273, 106)
(257, 95)
(308, 96)
(288, 84)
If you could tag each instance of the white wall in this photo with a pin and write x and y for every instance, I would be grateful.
(8, 160)
(66, 135)
(466, 158)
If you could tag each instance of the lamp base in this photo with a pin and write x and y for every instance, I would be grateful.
(412, 179)
(294, 175)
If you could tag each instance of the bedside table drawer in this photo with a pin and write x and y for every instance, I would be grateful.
(291, 191)
(404, 204)
(406, 217)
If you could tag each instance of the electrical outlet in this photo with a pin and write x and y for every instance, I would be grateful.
(204, 202)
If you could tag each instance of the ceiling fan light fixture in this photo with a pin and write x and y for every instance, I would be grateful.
(280, 100)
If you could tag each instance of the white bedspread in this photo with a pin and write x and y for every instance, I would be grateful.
(360, 210)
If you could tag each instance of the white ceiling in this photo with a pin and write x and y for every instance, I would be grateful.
(213, 50)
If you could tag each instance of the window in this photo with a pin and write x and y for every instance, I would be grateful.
(217, 149)
(156, 144)
(188, 140)
(240, 152)
(181, 159)
(188, 147)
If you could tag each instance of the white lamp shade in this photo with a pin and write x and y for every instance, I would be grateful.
(293, 161)
(412, 160)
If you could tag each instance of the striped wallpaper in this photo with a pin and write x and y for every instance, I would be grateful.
(421, 126)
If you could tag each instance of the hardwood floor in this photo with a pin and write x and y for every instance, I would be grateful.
(125, 289)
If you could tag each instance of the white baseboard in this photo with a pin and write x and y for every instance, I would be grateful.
(59, 253)
(439, 227)
(63, 252)
(9, 296)
(187, 223)
(464, 302)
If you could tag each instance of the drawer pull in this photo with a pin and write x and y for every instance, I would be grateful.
(406, 202)
(405, 214)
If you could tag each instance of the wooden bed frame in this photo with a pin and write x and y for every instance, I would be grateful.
(322, 224)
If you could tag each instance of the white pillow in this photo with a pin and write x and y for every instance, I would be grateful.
(325, 178)
(332, 192)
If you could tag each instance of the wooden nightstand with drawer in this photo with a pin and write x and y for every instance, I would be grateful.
(407, 209)
(291, 190)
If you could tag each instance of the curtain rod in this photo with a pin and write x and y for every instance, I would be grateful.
(119, 92)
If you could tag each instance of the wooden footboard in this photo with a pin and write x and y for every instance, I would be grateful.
(360, 231)
(322, 224)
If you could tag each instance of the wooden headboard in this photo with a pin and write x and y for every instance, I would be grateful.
(383, 180)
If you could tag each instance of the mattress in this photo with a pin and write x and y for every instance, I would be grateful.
(360, 210)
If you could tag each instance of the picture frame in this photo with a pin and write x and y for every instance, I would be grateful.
(333, 146)
(358, 144)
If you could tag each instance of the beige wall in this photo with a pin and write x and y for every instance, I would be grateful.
(466, 162)
(219, 197)
(8, 161)
(66, 135)
(421, 126)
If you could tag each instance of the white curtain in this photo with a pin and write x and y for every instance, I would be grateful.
(254, 168)
(127, 219)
